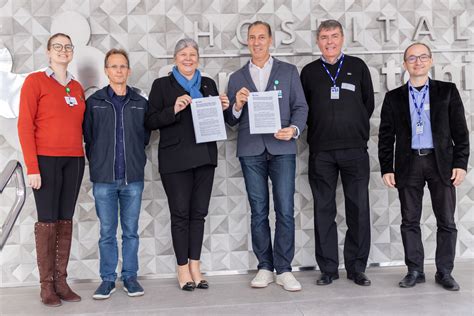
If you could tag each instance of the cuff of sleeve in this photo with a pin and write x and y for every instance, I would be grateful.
(32, 169)
(235, 113)
(385, 171)
(297, 131)
(460, 166)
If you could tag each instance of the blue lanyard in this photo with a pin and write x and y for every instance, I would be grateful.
(419, 108)
(333, 79)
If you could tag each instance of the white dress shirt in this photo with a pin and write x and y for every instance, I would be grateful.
(260, 78)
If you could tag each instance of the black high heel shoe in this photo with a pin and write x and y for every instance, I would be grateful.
(188, 286)
(203, 285)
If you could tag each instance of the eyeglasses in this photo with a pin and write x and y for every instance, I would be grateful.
(412, 59)
(117, 67)
(59, 47)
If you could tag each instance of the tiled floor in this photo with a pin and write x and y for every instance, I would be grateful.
(231, 295)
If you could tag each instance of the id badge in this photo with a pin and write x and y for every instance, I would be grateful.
(280, 94)
(419, 128)
(71, 101)
(334, 93)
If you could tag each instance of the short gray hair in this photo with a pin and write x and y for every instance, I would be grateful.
(183, 43)
(329, 25)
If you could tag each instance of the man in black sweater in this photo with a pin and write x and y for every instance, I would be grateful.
(340, 96)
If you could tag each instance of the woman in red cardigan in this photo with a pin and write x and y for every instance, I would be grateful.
(50, 130)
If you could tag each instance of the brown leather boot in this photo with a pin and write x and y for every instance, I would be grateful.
(45, 236)
(63, 249)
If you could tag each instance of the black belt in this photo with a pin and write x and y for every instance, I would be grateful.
(423, 151)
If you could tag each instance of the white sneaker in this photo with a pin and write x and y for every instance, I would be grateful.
(288, 281)
(262, 279)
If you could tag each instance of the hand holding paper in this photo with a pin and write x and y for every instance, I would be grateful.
(181, 103)
(225, 101)
(241, 98)
(286, 133)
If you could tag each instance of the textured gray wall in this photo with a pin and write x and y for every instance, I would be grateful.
(376, 31)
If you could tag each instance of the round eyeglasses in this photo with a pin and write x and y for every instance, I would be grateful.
(423, 58)
(59, 47)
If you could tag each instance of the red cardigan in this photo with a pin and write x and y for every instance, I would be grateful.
(47, 125)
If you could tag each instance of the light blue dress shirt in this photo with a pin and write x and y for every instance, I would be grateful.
(424, 140)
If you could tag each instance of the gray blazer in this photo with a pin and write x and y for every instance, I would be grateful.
(293, 109)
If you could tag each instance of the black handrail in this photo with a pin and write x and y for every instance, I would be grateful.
(13, 170)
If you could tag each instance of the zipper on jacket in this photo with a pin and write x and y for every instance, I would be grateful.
(115, 137)
(123, 136)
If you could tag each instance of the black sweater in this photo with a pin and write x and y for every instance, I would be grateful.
(342, 123)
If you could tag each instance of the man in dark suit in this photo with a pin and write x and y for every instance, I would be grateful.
(273, 156)
(425, 119)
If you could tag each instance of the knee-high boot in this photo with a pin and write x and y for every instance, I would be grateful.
(45, 236)
(63, 249)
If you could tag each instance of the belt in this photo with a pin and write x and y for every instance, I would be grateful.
(422, 151)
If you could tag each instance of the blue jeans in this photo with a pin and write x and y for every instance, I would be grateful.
(281, 170)
(108, 197)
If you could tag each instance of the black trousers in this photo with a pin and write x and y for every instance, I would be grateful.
(61, 179)
(443, 199)
(324, 169)
(189, 193)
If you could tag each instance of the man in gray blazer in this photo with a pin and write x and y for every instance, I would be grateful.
(269, 155)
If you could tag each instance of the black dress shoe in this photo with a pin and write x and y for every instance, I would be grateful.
(203, 285)
(327, 278)
(447, 281)
(359, 278)
(189, 286)
(412, 278)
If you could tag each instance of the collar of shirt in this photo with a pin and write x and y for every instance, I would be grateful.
(50, 73)
(267, 64)
(112, 93)
(415, 90)
(327, 62)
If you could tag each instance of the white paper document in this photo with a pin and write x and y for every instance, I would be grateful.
(264, 112)
(208, 119)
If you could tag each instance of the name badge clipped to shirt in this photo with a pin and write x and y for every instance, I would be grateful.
(71, 101)
(275, 87)
(348, 86)
(419, 127)
(334, 93)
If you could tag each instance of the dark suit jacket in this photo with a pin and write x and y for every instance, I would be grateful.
(448, 124)
(178, 150)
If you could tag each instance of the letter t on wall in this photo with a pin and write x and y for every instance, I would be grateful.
(387, 20)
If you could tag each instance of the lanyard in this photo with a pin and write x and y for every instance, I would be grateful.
(419, 108)
(333, 79)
